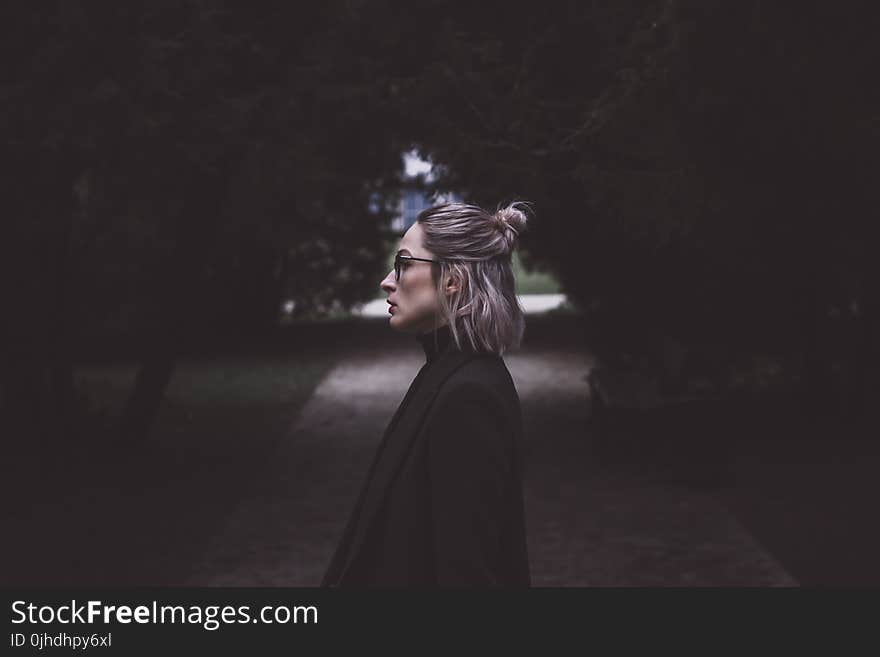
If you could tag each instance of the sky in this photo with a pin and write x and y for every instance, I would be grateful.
(414, 165)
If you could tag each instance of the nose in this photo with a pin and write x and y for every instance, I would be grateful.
(389, 283)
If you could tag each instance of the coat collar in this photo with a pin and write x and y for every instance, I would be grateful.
(436, 342)
(395, 444)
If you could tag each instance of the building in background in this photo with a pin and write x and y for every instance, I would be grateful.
(414, 199)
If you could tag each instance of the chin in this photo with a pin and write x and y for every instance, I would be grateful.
(399, 325)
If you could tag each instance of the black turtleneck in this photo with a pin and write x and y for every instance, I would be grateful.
(435, 342)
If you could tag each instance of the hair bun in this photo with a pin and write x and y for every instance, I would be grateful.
(513, 218)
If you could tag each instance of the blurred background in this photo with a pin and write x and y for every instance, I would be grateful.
(201, 198)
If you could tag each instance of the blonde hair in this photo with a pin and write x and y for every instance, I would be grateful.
(475, 248)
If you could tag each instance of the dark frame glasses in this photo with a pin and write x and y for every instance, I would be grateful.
(399, 258)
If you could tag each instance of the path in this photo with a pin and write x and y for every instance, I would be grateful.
(587, 526)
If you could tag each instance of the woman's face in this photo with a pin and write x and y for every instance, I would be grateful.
(413, 299)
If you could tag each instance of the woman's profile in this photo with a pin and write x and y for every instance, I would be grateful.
(442, 502)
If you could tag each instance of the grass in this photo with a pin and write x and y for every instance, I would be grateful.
(220, 421)
(214, 402)
(535, 282)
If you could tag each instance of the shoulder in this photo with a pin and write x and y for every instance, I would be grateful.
(482, 385)
(486, 370)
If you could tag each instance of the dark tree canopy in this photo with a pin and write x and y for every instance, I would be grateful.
(703, 171)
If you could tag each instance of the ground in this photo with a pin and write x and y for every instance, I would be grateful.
(588, 526)
(257, 494)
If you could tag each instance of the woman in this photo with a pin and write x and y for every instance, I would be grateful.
(442, 504)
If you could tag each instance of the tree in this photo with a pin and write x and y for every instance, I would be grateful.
(701, 171)
(175, 153)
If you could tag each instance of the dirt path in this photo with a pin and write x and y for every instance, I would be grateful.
(588, 526)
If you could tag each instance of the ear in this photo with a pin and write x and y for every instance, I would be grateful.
(452, 285)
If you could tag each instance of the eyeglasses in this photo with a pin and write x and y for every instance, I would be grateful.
(398, 261)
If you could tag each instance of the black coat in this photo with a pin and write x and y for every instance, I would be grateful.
(442, 503)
